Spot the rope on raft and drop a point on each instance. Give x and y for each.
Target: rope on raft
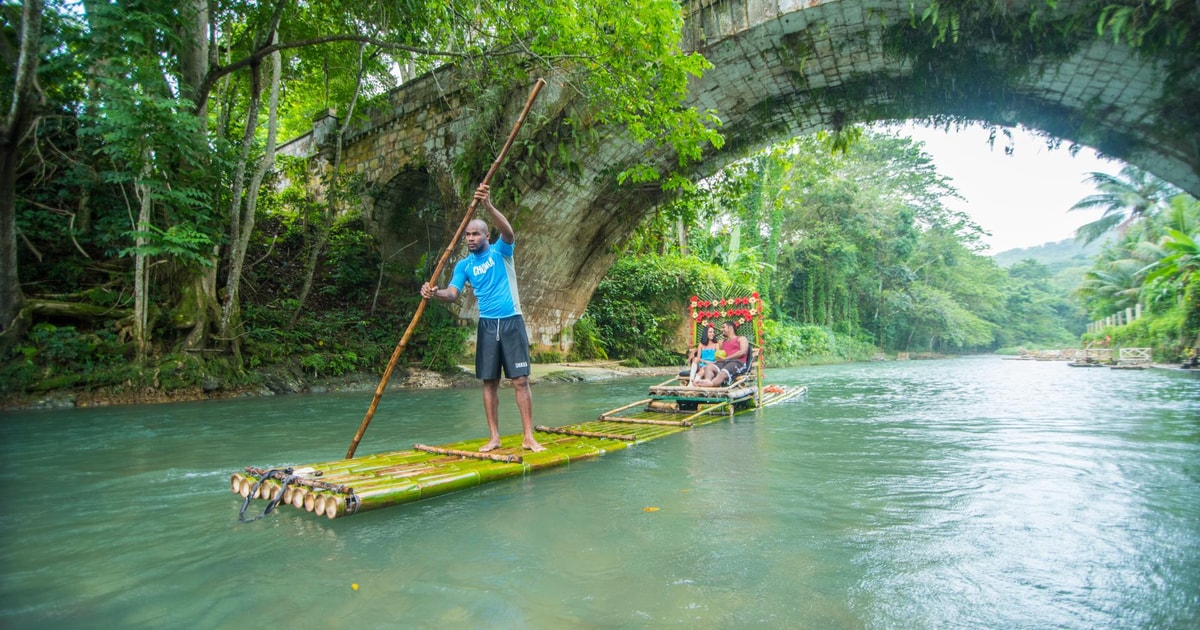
(284, 474)
(305, 481)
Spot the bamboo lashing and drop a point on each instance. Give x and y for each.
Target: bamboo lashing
(507, 458)
(315, 483)
(437, 271)
(578, 433)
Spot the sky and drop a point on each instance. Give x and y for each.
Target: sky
(1021, 199)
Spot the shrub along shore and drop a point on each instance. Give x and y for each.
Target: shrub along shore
(284, 382)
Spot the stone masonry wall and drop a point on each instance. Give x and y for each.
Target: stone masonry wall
(781, 68)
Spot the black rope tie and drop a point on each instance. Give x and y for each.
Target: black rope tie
(282, 489)
(284, 474)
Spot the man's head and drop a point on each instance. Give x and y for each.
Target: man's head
(476, 236)
(729, 328)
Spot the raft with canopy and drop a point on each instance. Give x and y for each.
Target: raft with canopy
(349, 486)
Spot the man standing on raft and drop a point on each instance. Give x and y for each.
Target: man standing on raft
(500, 338)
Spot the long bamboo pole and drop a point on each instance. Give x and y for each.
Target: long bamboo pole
(580, 433)
(496, 457)
(604, 416)
(437, 271)
(668, 423)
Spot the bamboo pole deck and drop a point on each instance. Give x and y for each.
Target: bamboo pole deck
(348, 486)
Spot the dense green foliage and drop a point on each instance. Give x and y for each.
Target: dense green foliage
(856, 243)
(154, 218)
(1152, 262)
(639, 308)
(853, 250)
(161, 241)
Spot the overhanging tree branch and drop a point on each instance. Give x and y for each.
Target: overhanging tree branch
(261, 53)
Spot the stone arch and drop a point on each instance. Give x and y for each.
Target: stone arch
(407, 216)
(781, 68)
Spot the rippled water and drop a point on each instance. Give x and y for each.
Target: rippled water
(970, 493)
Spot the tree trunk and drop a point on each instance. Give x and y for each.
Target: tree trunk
(22, 114)
(99, 68)
(235, 204)
(195, 54)
(81, 311)
(243, 218)
(331, 197)
(194, 51)
(199, 300)
(681, 228)
(141, 275)
(314, 253)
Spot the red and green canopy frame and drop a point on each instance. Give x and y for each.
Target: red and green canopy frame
(746, 312)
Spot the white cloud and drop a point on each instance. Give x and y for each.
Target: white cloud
(1021, 199)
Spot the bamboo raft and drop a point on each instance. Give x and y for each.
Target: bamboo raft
(350, 486)
(359, 484)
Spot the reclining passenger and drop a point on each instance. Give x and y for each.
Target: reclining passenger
(702, 354)
(735, 363)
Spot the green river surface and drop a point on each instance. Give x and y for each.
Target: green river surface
(963, 493)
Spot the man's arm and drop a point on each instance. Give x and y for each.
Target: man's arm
(484, 195)
(449, 294)
(458, 279)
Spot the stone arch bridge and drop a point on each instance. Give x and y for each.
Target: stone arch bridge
(781, 68)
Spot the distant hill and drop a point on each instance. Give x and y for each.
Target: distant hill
(1063, 254)
(1066, 260)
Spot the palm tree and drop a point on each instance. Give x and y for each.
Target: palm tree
(1181, 245)
(1127, 197)
(1112, 285)
(1181, 215)
(1179, 268)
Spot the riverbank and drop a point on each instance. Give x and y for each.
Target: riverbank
(288, 382)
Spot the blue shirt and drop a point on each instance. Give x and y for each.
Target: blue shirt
(493, 277)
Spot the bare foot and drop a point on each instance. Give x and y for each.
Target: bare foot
(490, 446)
(533, 446)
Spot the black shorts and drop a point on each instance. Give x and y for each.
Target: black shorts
(501, 342)
(732, 367)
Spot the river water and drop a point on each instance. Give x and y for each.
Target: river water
(968, 493)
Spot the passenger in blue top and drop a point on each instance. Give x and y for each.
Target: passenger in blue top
(501, 338)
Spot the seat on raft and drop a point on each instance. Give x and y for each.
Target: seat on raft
(679, 387)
